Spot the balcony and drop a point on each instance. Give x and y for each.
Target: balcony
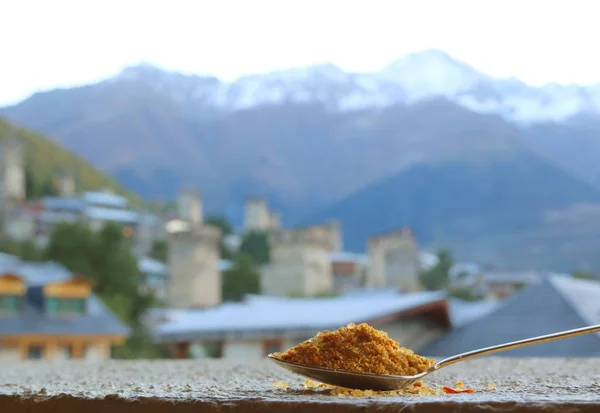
(501, 384)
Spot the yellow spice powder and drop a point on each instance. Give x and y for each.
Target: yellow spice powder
(358, 349)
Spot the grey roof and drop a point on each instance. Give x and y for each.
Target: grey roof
(98, 319)
(526, 277)
(551, 304)
(304, 316)
(465, 312)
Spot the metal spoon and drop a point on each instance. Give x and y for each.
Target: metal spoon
(371, 381)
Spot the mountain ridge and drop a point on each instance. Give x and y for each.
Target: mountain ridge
(408, 79)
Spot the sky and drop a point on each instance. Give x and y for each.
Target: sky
(61, 43)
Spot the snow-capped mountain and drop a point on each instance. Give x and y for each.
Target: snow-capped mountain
(412, 78)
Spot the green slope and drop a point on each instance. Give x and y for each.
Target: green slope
(44, 159)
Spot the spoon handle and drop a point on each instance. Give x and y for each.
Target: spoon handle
(516, 344)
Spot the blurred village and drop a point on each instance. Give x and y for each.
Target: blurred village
(89, 275)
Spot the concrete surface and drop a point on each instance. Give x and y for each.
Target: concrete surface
(530, 385)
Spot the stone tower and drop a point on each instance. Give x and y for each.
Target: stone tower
(335, 229)
(256, 215)
(189, 207)
(275, 220)
(394, 261)
(12, 170)
(300, 264)
(65, 183)
(194, 275)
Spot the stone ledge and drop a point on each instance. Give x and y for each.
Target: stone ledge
(529, 385)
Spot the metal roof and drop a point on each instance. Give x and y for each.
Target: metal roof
(98, 319)
(70, 204)
(109, 214)
(548, 305)
(259, 314)
(104, 199)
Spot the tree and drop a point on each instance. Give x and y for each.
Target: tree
(226, 228)
(582, 275)
(159, 250)
(255, 244)
(25, 250)
(241, 279)
(106, 258)
(438, 277)
(220, 222)
(466, 294)
(73, 245)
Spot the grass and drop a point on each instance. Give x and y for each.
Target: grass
(44, 159)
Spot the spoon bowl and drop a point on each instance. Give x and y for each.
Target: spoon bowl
(385, 382)
(360, 381)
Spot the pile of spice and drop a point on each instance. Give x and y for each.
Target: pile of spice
(357, 349)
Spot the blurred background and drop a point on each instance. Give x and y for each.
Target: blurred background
(199, 179)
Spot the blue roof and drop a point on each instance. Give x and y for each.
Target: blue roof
(550, 304)
(108, 214)
(152, 266)
(98, 319)
(106, 199)
(260, 314)
(69, 204)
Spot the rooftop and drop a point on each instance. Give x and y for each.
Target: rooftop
(551, 304)
(260, 314)
(110, 214)
(97, 319)
(102, 198)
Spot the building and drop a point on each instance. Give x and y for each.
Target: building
(548, 305)
(299, 264)
(65, 184)
(104, 206)
(501, 284)
(261, 325)
(256, 215)
(12, 170)
(189, 207)
(349, 271)
(155, 276)
(48, 313)
(194, 278)
(394, 261)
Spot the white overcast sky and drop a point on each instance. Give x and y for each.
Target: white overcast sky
(45, 44)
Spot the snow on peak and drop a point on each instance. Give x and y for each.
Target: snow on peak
(414, 77)
(432, 73)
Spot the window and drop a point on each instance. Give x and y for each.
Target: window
(10, 303)
(56, 305)
(35, 352)
(66, 351)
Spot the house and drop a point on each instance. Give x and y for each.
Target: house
(155, 275)
(549, 304)
(349, 270)
(264, 324)
(48, 313)
(501, 284)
